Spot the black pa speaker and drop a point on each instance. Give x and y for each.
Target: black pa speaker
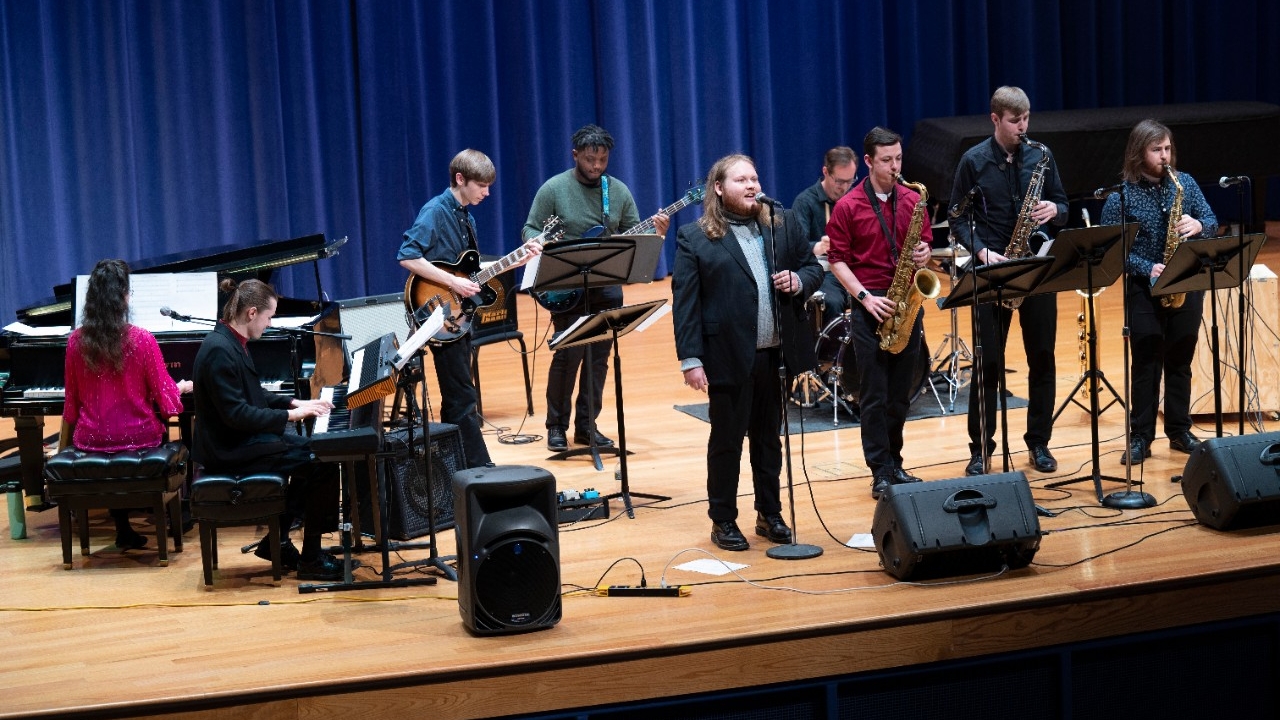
(956, 527)
(1234, 482)
(508, 549)
(414, 500)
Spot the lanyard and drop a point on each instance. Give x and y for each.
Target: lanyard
(875, 206)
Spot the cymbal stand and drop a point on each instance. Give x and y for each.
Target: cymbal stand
(807, 389)
(952, 350)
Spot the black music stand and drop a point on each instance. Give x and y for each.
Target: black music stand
(594, 262)
(1205, 265)
(996, 283)
(1087, 259)
(611, 325)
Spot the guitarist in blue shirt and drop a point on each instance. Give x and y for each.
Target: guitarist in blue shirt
(584, 197)
(443, 231)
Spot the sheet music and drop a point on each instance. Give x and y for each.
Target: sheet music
(415, 342)
(657, 315)
(530, 272)
(194, 294)
(25, 329)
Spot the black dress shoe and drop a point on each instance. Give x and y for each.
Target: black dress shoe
(323, 567)
(1184, 442)
(727, 536)
(288, 553)
(132, 540)
(556, 439)
(772, 527)
(1042, 459)
(901, 477)
(880, 483)
(1139, 449)
(582, 438)
(977, 465)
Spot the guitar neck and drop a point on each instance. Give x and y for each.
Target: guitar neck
(647, 225)
(505, 263)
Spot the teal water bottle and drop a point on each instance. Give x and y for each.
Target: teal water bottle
(17, 516)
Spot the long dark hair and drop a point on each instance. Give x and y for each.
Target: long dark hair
(106, 313)
(1143, 134)
(242, 296)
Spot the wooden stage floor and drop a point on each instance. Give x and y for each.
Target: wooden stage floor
(120, 636)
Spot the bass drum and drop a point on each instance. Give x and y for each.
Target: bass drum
(839, 363)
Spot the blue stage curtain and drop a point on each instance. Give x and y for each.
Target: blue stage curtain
(136, 129)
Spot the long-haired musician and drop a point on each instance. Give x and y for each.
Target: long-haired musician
(1163, 338)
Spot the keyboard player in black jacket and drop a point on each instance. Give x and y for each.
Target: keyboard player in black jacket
(240, 428)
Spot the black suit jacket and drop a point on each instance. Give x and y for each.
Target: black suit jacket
(715, 300)
(236, 420)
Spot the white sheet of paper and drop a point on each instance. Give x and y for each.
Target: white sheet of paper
(861, 540)
(1044, 249)
(50, 331)
(194, 294)
(655, 317)
(530, 272)
(419, 338)
(710, 566)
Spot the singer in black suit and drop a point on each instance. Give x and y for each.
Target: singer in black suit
(741, 276)
(1001, 169)
(240, 428)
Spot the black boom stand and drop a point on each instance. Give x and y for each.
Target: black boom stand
(584, 264)
(611, 325)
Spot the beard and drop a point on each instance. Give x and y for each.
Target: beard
(739, 205)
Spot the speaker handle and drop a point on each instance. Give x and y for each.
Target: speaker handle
(1270, 454)
(953, 504)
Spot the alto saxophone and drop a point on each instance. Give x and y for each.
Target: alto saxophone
(1019, 242)
(1171, 237)
(1086, 321)
(911, 285)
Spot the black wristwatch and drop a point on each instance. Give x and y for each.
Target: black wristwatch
(862, 294)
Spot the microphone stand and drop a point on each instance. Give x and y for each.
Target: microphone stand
(977, 374)
(792, 550)
(1128, 499)
(1240, 370)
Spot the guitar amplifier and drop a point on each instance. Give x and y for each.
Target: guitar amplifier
(416, 502)
(366, 319)
(500, 317)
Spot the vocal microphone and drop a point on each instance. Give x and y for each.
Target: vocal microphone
(1227, 181)
(962, 207)
(1102, 192)
(766, 200)
(168, 312)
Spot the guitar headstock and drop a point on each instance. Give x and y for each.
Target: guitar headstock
(696, 194)
(552, 229)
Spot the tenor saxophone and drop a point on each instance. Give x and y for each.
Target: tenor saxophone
(1171, 237)
(911, 285)
(1020, 242)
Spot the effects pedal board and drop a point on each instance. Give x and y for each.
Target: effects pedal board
(586, 505)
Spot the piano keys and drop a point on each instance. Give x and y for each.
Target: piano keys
(346, 431)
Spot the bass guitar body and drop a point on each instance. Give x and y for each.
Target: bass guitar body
(422, 297)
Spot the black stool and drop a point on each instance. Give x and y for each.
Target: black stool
(234, 500)
(81, 480)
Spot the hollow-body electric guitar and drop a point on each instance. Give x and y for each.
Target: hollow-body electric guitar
(422, 296)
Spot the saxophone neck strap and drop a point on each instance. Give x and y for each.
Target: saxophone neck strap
(887, 227)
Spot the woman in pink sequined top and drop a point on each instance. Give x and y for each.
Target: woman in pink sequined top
(116, 381)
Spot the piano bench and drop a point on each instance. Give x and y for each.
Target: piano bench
(222, 500)
(153, 478)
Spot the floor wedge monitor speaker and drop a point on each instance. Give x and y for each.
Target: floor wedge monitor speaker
(508, 549)
(961, 526)
(1234, 482)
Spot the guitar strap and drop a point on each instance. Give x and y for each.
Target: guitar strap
(604, 201)
(470, 229)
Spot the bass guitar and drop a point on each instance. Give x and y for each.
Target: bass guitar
(422, 296)
(565, 300)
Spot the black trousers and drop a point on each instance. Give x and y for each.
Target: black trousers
(884, 389)
(753, 409)
(1164, 343)
(312, 491)
(458, 397)
(1038, 318)
(567, 367)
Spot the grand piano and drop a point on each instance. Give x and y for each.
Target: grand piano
(286, 363)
